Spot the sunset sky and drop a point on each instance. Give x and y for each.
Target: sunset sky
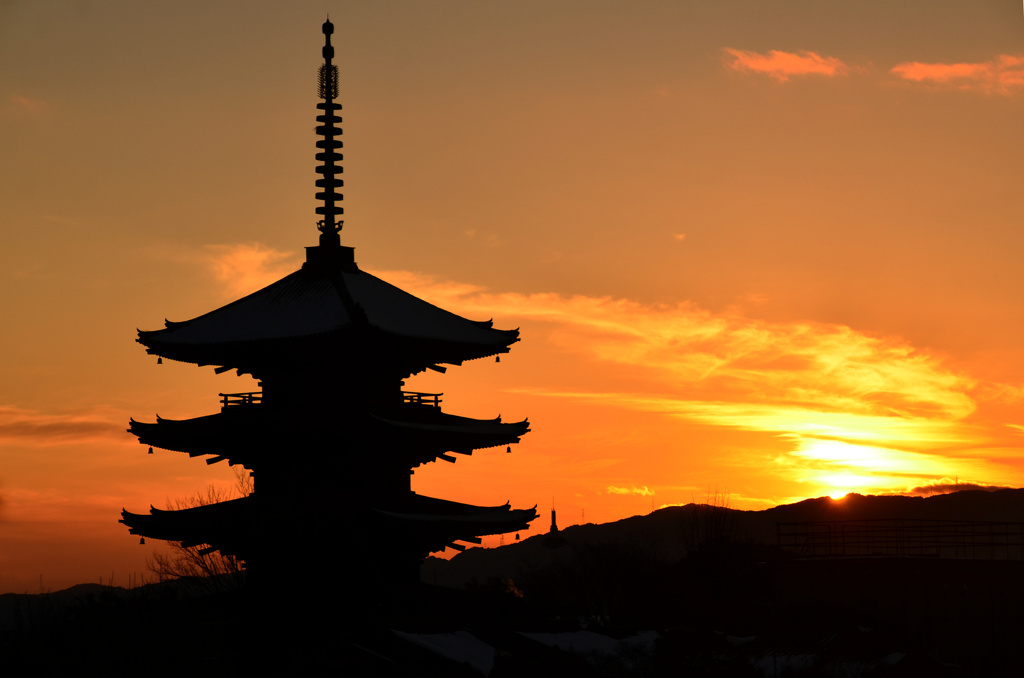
(768, 250)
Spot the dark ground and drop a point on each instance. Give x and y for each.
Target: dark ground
(730, 606)
(736, 611)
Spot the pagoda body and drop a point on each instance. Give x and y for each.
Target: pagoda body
(332, 439)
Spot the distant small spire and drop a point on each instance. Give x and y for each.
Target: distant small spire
(329, 155)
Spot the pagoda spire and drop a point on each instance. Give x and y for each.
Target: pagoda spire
(329, 155)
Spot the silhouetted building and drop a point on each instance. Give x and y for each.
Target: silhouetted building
(553, 539)
(332, 439)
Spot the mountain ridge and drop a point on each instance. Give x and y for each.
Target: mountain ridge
(669, 533)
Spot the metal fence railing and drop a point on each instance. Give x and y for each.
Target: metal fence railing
(903, 538)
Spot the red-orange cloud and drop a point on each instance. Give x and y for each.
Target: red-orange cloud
(783, 65)
(29, 104)
(1002, 75)
(32, 427)
(244, 268)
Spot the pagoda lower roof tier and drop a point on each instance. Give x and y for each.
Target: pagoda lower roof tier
(227, 526)
(235, 527)
(328, 313)
(245, 435)
(436, 523)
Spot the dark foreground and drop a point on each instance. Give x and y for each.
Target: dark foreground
(727, 610)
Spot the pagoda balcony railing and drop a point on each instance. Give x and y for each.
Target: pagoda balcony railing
(231, 400)
(416, 398)
(240, 399)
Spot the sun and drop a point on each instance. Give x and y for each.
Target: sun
(838, 468)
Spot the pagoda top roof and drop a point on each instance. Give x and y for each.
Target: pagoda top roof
(329, 298)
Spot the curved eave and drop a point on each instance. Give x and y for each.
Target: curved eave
(461, 435)
(239, 436)
(434, 531)
(465, 426)
(478, 525)
(196, 438)
(225, 526)
(349, 315)
(421, 504)
(409, 355)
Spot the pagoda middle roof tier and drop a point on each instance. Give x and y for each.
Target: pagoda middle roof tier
(245, 435)
(331, 311)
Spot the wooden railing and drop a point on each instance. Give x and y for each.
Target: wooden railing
(238, 399)
(415, 398)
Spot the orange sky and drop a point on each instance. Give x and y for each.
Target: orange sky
(766, 249)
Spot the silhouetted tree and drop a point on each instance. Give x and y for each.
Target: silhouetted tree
(710, 524)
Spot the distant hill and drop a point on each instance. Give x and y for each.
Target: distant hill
(668, 533)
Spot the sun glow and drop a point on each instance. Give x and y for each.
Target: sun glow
(865, 457)
(838, 467)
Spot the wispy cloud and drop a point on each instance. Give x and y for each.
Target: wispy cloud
(246, 267)
(639, 491)
(823, 366)
(857, 410)
(781, 66)
(29, 104)
(1002, 75)
(799, 421)
(38, 428)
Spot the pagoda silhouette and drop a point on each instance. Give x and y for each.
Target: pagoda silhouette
(332, 439)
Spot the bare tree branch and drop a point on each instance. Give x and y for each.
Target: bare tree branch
(211, 571)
